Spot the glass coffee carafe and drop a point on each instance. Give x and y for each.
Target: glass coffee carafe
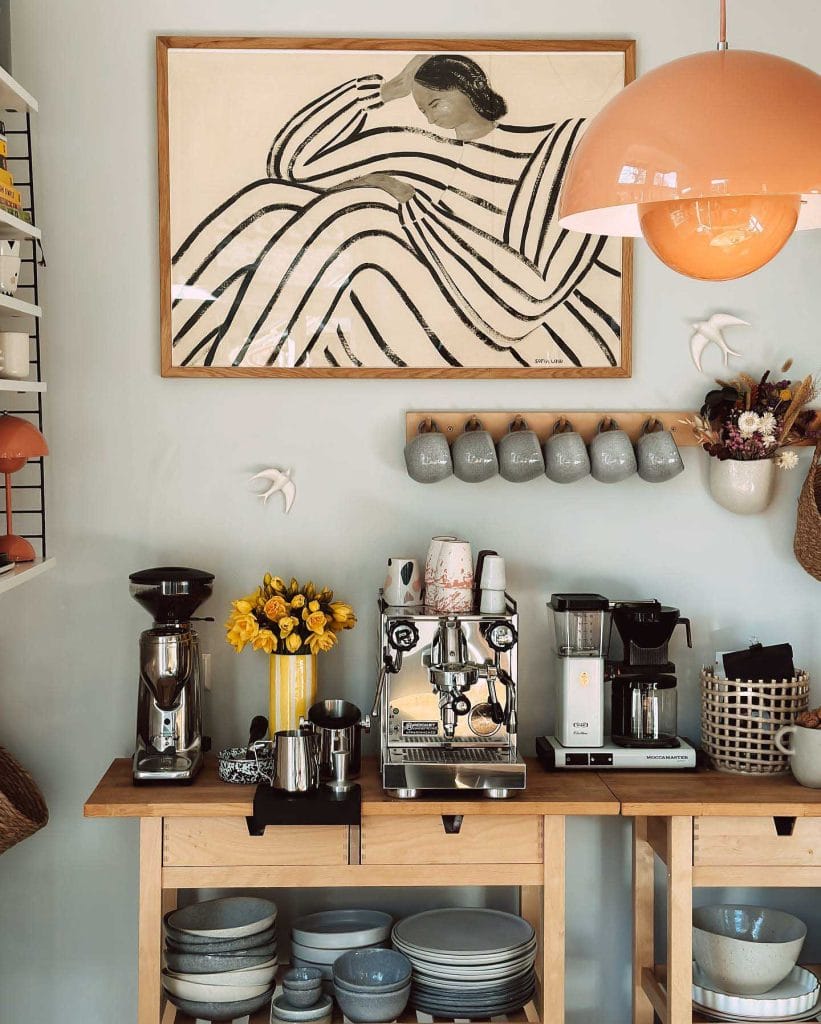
(644, 711)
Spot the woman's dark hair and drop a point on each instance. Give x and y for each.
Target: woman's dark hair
(450, 71)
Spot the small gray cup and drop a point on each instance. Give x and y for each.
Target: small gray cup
(658, 456)
(474, 454)
(565, 454)
(427, 456)
(520, 454)
(612, 458)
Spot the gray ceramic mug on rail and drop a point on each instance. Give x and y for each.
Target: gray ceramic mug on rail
(520, 453)
(612, 458)
(474, 454)
(565, 454)
(296, 761)
(658, 456)
(427, 456)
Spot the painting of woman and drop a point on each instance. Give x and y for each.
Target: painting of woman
(426, 238)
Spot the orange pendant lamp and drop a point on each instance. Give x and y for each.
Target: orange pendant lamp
(714, 158)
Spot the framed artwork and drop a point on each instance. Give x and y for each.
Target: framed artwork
(383, 208)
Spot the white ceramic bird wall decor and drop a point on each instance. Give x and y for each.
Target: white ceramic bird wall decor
(706, 332)
(281, 482)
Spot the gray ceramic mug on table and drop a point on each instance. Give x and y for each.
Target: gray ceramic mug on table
(565, 454)
(474, 454)
(612, 458)
(520, 453)
(658, 456)
(427, 456)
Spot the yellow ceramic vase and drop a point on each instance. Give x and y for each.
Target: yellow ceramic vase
(292, 689)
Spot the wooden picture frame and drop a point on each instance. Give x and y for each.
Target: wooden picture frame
(409, 279)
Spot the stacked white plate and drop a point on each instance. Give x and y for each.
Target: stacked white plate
(220, 957)
(468, 962)
(794, 999)
(317, 940)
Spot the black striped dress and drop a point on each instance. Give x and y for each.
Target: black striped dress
(473, 270)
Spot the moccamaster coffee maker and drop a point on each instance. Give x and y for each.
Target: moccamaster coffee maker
(635, 661)
(169, 716)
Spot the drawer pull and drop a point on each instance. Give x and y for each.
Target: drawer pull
(452, 823)
(784, 826)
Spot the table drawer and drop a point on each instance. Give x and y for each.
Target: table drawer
(787, 842)
(425, 839)
(217, 841)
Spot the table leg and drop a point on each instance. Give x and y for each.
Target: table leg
(554, 921)
(679, 920)
(643, 931)
(150, 922)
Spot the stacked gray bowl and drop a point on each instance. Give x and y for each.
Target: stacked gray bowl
(221, 957)
(317, 940)
(468, 962)
(372, 985)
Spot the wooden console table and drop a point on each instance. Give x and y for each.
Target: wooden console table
(709, 829)
(196, 837)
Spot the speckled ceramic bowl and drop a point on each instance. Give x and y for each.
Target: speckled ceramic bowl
(746, 950)
(234, 765)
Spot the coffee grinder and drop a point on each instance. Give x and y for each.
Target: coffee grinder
(635, 661)
(169, 710)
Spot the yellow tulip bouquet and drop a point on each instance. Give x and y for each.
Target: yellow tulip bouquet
(287, 619)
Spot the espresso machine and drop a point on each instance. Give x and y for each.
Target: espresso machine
(446, 701)
(634, 659)
(170, 743)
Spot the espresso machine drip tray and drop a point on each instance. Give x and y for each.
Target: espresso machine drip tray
(458, 755)
(408, 771)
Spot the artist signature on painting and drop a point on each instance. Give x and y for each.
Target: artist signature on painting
(541, 361)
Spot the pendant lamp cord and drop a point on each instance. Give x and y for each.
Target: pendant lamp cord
(722, 27)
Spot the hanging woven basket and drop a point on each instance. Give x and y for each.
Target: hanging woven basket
(23, 810)
(807, 544)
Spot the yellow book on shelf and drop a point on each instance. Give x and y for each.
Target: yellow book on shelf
(5, 175)
(9, 195)
(4, 148)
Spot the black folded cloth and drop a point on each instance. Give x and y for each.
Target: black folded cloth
(758, 662)
(319, 807)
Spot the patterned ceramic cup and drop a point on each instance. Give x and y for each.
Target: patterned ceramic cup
(658, 456)
(520, 454)
(427, 456)
(474, 454)
(565, 454)
(612, 458)
(403, 583)
(434, 551)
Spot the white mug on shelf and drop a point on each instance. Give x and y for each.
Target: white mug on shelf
(14, 355)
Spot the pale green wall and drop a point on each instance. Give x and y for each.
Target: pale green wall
(146, 471)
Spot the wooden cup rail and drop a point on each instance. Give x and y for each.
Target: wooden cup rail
(452, 422)
(708, 829)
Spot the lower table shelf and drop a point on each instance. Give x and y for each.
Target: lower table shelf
(527, 1015)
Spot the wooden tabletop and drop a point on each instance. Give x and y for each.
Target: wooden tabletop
(708, 792)
(581, 793)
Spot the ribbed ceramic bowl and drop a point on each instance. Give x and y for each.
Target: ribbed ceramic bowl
(746, 950)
